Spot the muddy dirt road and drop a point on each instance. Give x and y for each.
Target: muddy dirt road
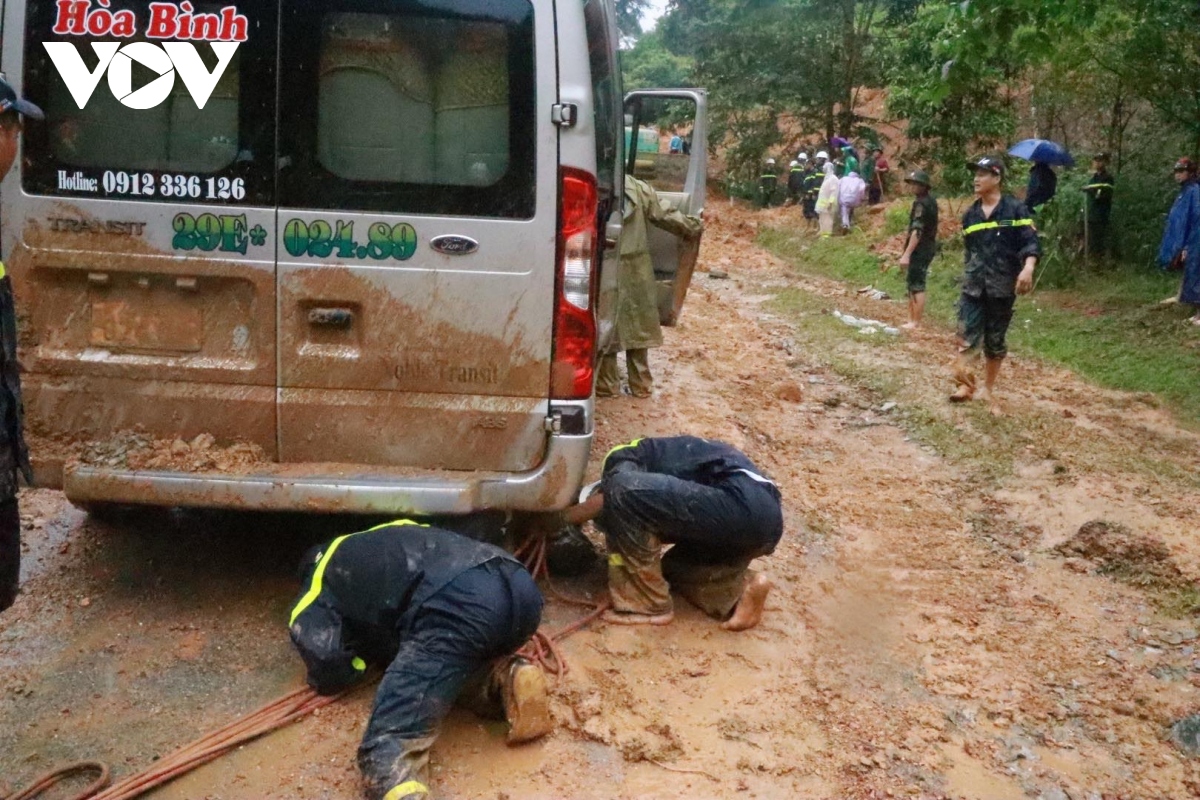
(939, 628)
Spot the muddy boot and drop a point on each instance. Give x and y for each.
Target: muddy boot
(395, 769)
(526, 701)
(965, 379)
(640, 594)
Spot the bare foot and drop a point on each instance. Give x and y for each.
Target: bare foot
(910, 326)
(750, 606)
(621, 618)
(962, 394)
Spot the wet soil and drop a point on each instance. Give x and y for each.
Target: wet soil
(939, 628)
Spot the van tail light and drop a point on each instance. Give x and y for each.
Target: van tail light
(573, 362)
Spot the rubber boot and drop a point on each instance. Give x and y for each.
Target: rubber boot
(526, 702)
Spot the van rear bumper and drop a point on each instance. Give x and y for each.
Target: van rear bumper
(328, 488)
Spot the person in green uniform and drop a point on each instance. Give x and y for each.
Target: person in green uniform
(921, 246)
(637, 326)
(1099, 205)
(14, 456)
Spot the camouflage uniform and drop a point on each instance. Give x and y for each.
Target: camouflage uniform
(14, 456)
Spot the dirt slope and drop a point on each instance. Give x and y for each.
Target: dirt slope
(926, 639)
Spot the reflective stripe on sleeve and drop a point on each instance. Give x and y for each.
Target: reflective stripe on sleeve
(358, 664)
(3, 271)
(1004, 223)
(1098, 186)
(405, 789)
(314, 589)
(615, 560)
(634, 443)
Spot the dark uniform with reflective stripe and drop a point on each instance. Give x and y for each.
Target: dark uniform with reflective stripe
(795, 184)
(14, 457)
(768, 183)
(1099, 199)
(812, 187)
(996, 249)
(706, 498)
(433, 605)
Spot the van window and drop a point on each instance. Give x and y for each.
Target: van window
(605, 92)
(171, 151)
(418, 105)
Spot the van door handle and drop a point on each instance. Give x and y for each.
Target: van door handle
(332, 317)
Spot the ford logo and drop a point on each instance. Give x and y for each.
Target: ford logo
(454, 245)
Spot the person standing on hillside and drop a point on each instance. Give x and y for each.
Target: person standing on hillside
(637, 327)
(827, 200)
(812, 185)
(795, 182)
(1002, 251)
(851, 193)
(1181, 238)
(1099, 205)
(921, 246)
(768, 183)
(14, 456)
(875, 187)
(868, 174)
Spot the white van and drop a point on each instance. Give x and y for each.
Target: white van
(331, 256)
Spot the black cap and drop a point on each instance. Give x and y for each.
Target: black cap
(992, 164)
(9, 101)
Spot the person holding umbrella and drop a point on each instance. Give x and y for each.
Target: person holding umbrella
(1181, 239)
(1043, 182)
(1001, 252)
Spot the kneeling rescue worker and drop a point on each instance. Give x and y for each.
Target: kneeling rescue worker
(445, 614)
(708, 500)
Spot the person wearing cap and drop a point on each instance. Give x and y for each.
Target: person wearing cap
(710, 503)
(1002, 251)
(14, 456)
(768, 183)
(1181, 239)
(444, 616)
(1042, 186)
(795, 183)
(1099, 192)
(921, 245)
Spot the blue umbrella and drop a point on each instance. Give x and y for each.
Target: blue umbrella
(1043, 150)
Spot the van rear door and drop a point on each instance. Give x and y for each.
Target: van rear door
(140, 229)
(417, 225)
(678, 177)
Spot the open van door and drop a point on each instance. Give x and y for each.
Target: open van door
(666, 138)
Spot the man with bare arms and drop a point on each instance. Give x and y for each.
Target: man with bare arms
(705, 499)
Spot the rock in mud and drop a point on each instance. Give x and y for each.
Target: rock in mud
(718, 273)
(789, 391)
(1185, 733)
(1114, 548)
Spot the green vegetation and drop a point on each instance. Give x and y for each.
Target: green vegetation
(1108, 327)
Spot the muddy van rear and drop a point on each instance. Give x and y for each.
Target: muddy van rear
(332, 256)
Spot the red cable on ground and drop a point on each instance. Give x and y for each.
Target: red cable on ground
(542, 649)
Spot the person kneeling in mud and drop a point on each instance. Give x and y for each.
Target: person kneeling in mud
(706, 499)
(445, 614)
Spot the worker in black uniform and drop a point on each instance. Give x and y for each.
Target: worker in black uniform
(706, 499)
(1001, 252)
(795, 183)
(813, 177)
(14, 457)
(1099, 205)
(768, 183)
(445, 614)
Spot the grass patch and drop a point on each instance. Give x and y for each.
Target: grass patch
(1108, 327)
